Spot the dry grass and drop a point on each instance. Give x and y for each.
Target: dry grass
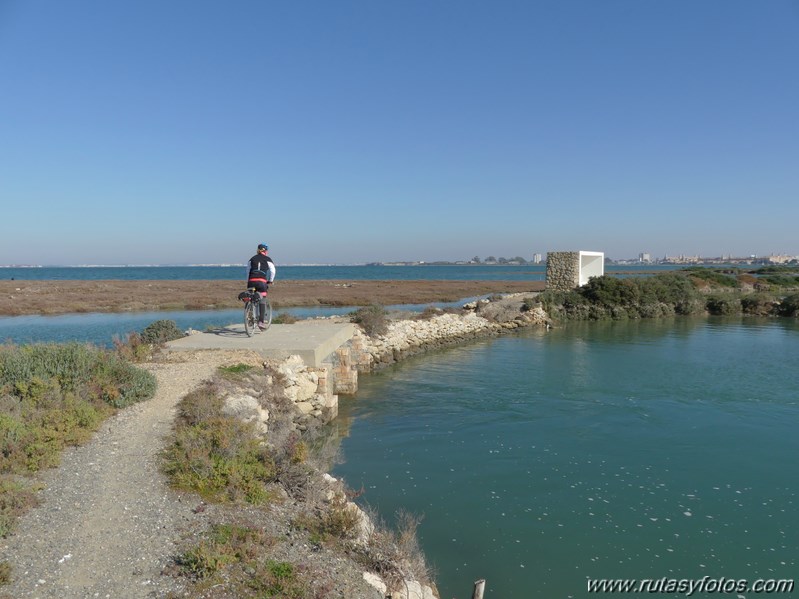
(65, 297)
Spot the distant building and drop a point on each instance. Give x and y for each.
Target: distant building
(644, 257)
(779, 259)
(537, 259)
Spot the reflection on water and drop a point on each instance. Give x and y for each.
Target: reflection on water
(612, 450)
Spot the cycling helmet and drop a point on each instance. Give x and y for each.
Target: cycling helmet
(262, 246)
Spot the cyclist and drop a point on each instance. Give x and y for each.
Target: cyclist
(260, 274)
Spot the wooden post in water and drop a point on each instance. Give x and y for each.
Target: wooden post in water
(479, 587)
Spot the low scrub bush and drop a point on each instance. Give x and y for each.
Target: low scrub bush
(529, 303)
(54, 396)
(133, 349)
(394, 552)
(373, 319)
(776, 270)
(219, 457)
(713, 277)
(608, 297)
(781, 280)
(161, 331)
(284, 318)
(236, 372)
(789, 306)
(82, 369)
(231, 556)
(759, 304)
(337, 523)
(16, 498)
(723, 305)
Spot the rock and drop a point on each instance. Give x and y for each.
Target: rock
(248, 409)
(305, 407)
(375, 581)
(413, 589)
(364, 528)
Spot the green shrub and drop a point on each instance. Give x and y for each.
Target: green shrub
(373, 319)
(219, 457)
(55, 396)
(722, 305)
(789, 306)
(609, 291)
(133, 349)
(284, 318)
(339, 522)
(230, 556)
(776, 270)
(15, 499)
(529, 303)
(781, 280)
(714, 277)
(161, 331)
(74, 367)
(608, 297)
(758, 304)
(236, 372)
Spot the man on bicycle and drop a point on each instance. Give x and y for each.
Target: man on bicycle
(260, 274)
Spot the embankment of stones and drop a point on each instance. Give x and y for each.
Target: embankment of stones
(315, 390)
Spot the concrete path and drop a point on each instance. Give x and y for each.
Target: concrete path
(312, 340)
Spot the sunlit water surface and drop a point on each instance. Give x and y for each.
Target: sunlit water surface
(619, 450)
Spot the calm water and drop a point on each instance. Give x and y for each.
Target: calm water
(102, 328)
(620, 450)
(602, 450)
(531, 272)
(370, 272)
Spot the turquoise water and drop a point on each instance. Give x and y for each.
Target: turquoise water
(601, 450)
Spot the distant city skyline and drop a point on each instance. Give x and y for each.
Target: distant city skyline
(349, 132)
(535, 258)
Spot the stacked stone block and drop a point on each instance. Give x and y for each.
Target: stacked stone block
(563, 270)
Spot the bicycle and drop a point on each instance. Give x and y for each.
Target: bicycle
(252, 300)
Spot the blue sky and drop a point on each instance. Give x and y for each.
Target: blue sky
(154, 132)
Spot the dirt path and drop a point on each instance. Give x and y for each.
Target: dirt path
(107, 524)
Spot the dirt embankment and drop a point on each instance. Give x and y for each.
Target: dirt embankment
(66, 297)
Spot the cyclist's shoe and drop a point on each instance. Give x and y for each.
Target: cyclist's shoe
(262, 326)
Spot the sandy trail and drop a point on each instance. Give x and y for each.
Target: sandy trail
(108, 524)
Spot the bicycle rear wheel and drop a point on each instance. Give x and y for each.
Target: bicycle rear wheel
(249, 319)
(267, 313)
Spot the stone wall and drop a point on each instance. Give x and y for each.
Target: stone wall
(563, 270)
(315, 391)
(408, 337)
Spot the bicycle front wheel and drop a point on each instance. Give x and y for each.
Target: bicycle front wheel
(249, 319)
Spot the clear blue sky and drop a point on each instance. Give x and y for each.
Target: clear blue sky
(346, 131)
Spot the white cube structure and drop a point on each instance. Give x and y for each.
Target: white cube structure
(568, 270)
(592, 264)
